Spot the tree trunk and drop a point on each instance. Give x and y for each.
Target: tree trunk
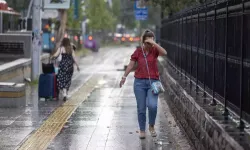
(61, 31)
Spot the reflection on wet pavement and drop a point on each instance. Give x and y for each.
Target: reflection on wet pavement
(105, 119)
(108, 120)
(17, 123)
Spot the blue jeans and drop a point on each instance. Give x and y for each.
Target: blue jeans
(145, 98)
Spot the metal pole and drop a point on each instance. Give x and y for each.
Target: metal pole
(226, 113)
(215, 13)
(175, 55)
(205, 57)
(162, 9)
(191, 52)
(197, 50)
(186, 64)
(36, 43)
(181, 43)
(242, 124)
(178, 47)
(1, 22)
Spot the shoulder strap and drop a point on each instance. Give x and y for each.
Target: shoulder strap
(145, 57)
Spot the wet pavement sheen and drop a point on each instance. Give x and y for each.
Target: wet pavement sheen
(106, 119)
(16, 124)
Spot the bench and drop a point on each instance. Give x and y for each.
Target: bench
(12, 95)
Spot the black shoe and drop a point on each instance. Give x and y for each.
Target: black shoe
(64, 98)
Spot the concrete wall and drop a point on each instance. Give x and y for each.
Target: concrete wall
(19, 69)
(205, 125)
(25, 38)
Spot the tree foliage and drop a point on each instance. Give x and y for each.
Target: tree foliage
(18, 5)
(127, 14)
(116, 11)
(172, 6)
(73, 23)
(100, 18)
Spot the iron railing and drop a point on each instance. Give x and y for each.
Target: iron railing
(210, 45)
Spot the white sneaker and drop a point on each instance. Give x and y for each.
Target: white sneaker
(64, 92)
(64, 95)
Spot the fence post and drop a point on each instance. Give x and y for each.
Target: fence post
(178, 42)
(197, 50)
(214, 103)
(191, 52)
(186, 48)
(181, 43)
(205, 53)
(241, 124)
(226, 113)
(173, 27)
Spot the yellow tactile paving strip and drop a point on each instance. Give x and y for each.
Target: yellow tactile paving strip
(41, 138)
(12, 94)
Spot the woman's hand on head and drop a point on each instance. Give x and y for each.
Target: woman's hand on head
(151, 41)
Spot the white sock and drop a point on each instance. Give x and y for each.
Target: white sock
(64, 92)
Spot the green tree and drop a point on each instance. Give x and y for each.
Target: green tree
(73, 23)
(172, 6)
(127, 14)
(100, 18)
(116, 10)
(18, 5)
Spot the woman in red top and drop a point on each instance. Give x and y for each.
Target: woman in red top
(144, 96)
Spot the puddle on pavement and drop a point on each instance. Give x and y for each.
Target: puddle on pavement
(160, 142)
(31, 95)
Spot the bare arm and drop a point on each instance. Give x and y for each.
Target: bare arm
(129, 68)
(56, 54)
(161, 50)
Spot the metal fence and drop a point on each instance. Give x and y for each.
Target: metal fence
(210, 44)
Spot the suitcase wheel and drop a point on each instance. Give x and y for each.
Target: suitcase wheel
(51, 98)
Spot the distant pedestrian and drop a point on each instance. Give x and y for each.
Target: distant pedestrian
(66, 66)
(73, 46)
(144, 76)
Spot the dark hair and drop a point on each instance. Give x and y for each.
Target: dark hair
(147, 33)
(66, 44)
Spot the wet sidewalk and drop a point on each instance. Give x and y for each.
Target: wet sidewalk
(16, 124)
(99, 114)
(107, 119)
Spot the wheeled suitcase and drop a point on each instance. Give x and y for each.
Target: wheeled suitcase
(47, 87)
